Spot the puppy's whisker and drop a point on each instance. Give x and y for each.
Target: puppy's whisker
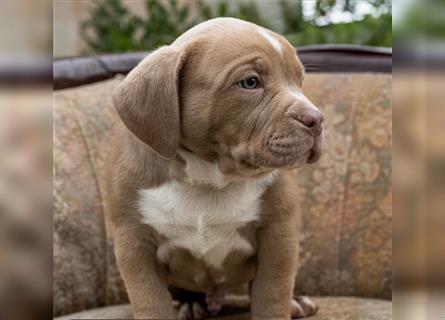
(313, 67)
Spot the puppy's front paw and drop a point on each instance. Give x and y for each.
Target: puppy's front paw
(303, 307)
(191, 311)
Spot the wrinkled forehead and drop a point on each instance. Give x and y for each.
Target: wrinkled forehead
(223, 45)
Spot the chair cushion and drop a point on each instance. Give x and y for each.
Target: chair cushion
(346, 235)
(85, 273)
(330, 308)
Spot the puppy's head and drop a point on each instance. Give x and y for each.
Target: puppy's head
(228, 91)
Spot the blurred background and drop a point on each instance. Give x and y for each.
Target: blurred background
(416, 30)
(98, 26)
(419, 159)
(25, 159)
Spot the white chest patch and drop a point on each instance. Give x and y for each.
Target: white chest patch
(203, 218)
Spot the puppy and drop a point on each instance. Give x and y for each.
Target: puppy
(202, 176)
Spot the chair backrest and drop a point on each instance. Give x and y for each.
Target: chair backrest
(85, 272)
(347, 228)
(346, 238)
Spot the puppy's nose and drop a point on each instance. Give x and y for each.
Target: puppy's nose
(312, 119)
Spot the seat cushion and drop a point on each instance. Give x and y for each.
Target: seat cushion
(85, 272)
(346, 195)
(330, 308)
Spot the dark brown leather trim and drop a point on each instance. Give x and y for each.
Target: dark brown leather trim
(346, 58)
(19, 71)
(75, 71)
(71, 72)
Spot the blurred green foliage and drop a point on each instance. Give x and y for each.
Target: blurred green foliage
(111, 27)
(422, 21)
(370, 30)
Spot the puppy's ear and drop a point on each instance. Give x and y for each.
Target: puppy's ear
(147, 100)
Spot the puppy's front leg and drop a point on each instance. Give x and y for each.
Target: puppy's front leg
(145, 283)
(272, 288)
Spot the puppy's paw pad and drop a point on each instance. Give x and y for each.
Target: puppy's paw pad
(191, 311)
(303, 307)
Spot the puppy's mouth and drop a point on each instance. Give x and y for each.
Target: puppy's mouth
(284, 153)
(315, 152)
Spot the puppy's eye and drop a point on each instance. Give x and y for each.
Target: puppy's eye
(250, 83)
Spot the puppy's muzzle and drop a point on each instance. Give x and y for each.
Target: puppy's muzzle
(312, 119)
(300, 138)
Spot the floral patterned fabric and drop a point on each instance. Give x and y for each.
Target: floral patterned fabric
(85, 271)
(346, 239)
(346, 236)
